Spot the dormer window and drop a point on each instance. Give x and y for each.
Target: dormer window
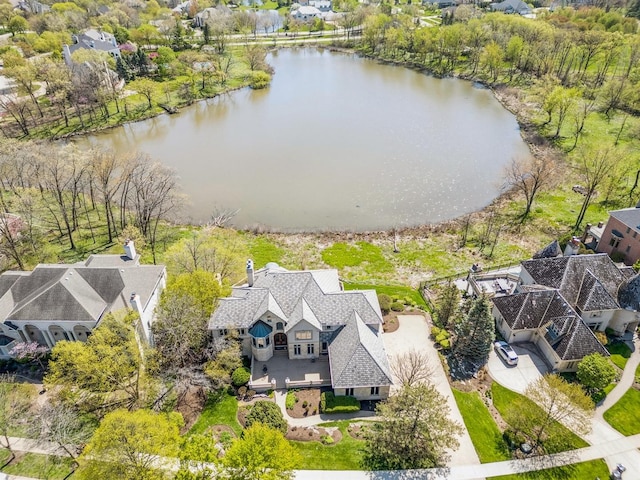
(279, 326)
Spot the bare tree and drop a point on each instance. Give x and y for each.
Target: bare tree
(62, 425)
(412, 368)
(221, 217)
(106, 167)
(154, 195)
(528, 176)
(593, 167)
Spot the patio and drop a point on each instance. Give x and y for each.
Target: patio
(300, 373)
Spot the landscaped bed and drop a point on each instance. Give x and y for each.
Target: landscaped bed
(304, 402)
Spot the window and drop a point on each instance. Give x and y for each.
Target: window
(348, 391)
(261, 342)
(310, 349)
(279, 326)
(595, 314)
(296, 349)
(303, 335)
(242, 331)
(375, 390)
(253, 341)
(328, 327)
(325, 346)
(614, 242)
(635, 234)
(628, 248)
(628, 229)
(223, 331)
(268, 341)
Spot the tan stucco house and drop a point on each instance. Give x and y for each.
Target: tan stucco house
(560, 301)
(306, 315)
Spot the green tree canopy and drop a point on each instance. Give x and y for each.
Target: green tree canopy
(415, 431)
(198, 454)
(475, 332)
(267, 413)
(106, 371)
(261, 454)
(595, 371)
(126, 445)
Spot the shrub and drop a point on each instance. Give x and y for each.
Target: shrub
(251, 393)
(259, 79)
(291, 400)
(267, 413)
(304, 404)
(327, 439)
(435, 331)
(240, 376)
(397, 306)
(329, 403)
(617, 257)
(242, 391)
(602, 337)
(385, 302)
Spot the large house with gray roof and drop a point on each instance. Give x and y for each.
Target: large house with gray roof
(306, 315)
(560, 301)
(92, 39)
(57, 302)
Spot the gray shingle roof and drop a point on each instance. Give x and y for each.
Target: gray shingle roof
(593, 296)
(629, 294)
(575, 340)
(357, 357)
(530, 310)
(550, 251)
(629, 216)
(77, 293)
(288, 289)
(567, 274)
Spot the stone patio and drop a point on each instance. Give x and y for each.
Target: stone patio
(301, 373)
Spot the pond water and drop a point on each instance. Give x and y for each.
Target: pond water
(336, 142)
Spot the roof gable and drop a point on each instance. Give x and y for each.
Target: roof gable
(357, 357)
(593, 296)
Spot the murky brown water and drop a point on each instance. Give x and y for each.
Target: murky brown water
(337, 142)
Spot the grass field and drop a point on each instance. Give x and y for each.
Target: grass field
(38, 466)
(344, 455)
(620, 353)
(220, 409)
(624, 416)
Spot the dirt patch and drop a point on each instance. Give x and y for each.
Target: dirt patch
(315, 434)
(308, 403)
(391, 322)
(218, 430)
(190, 404)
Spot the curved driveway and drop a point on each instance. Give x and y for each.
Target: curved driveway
(529, 369)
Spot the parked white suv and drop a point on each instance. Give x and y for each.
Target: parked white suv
(504, 350)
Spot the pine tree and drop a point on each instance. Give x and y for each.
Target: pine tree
(447, 306)
(475, 332)
(206, 32)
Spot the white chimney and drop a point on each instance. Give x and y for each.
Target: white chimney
(136, 303)
(129, 249)
(250, 272)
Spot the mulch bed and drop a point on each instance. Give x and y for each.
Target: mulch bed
(190, 404)
(356, 430)
(314, 434)
(312, 397)
(391, 322)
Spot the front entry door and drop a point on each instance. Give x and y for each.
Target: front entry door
(280, 341)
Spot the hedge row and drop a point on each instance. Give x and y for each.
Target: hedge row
(329, 403)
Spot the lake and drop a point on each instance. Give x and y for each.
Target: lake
(336, 142)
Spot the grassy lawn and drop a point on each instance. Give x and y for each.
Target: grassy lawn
(220, 409)
(40, 466)
(578, 471)
(620, 353)
(485, 434)
(391, 290)
(624, 416)
(263, 250)
(344, 455)
(503, 398)
(342, 255)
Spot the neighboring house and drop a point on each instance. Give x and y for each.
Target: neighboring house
(66, 302)
(322, 5)
(306, 13)
(511, 6)
(560, 301)
(305, 315)
(92, 40)
(621, 235)
(34, 7)
(441, 3)
(209, 14)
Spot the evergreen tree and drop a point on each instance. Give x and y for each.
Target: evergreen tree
(448, 306)
(124, 72)
(475, 331)
(206, 32)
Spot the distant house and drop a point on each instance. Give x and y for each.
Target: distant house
(298, 319)
(440, 3)
(33, 7)
(57, 302)
(621, 235)
(511, 6)
(560, 301)
(306, 13)
(211, 13)
(92, 40)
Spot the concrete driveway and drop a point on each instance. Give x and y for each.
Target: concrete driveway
(529, 369)
(413, 334)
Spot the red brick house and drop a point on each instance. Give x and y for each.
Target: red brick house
(621, 236)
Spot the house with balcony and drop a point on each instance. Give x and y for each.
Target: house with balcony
(57, 302)
(300, 328)
(560, 302)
